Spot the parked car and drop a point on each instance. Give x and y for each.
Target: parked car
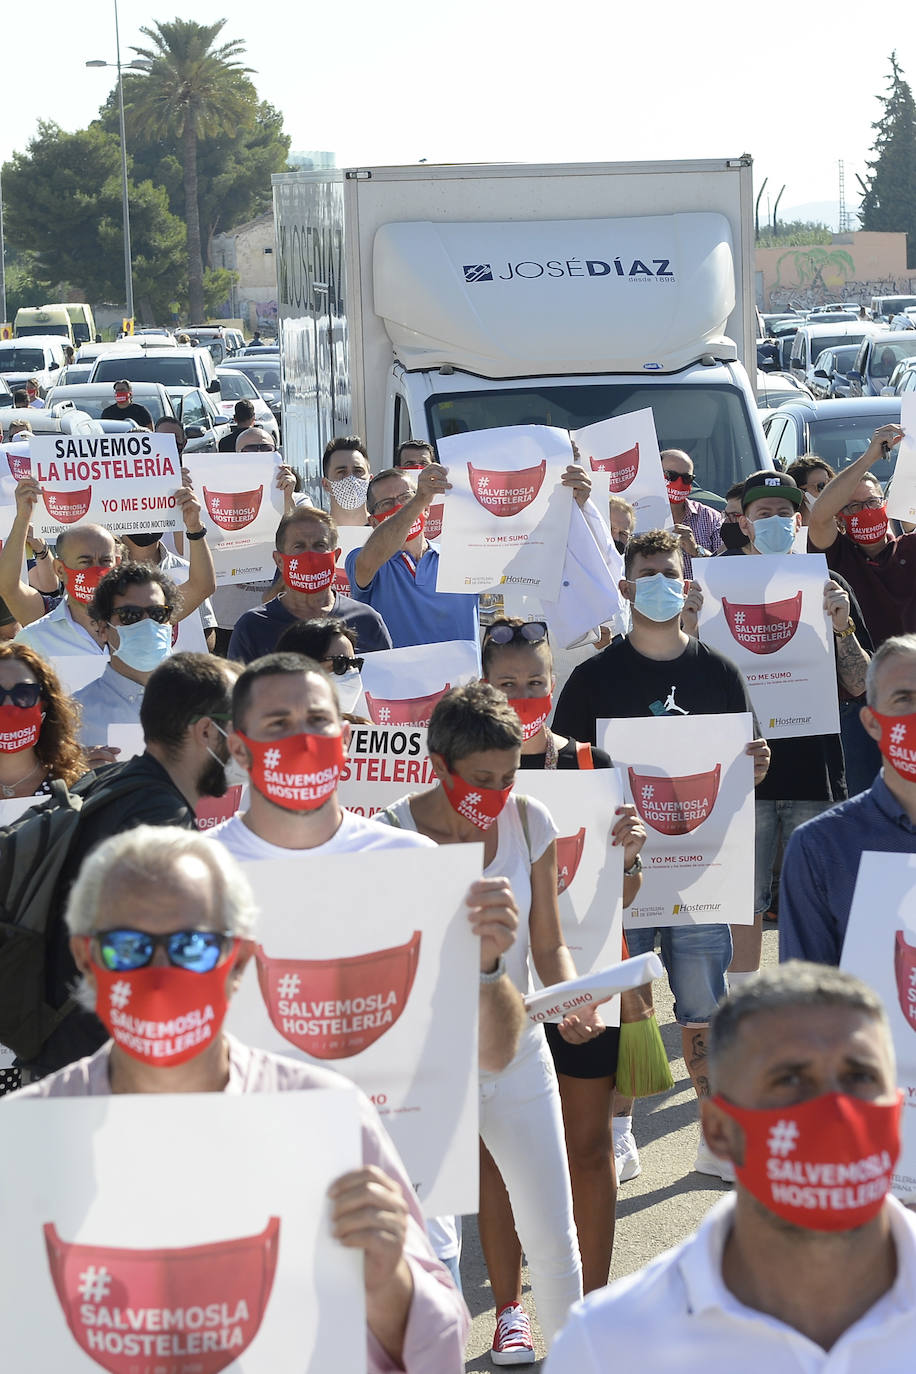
(59, 419)
(829, 377)
(6, 396)
(212, 337)
(204, 423)
(264, 375)
(837, 431)
(258, 350)
(72, 374)
(173, 367)
(812, 339)
(235, 386)
(774, 389)
(876, 360)
(35, 356)
(94, 397)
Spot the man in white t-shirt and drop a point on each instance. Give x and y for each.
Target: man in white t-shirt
(288, 736)
(809, 1265)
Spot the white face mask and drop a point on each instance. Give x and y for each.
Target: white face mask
(235, 773)
(350, 492)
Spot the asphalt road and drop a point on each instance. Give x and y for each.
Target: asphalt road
(654, 1211)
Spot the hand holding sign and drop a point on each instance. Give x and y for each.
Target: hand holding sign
(494, 917)
(557, 1003)
(432, 482)
(368, 1213)
(836, 604)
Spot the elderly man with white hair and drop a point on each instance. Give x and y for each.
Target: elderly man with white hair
(161, 921)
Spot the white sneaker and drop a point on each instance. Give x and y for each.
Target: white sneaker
(708, 1163)
(512, 1343)
(626, 1157)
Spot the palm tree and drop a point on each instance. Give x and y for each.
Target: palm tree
(191, 90)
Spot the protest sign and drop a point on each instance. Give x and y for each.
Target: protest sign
(767, 615)
(243, 509)
(371, 969)
(507, 513)
(127, 739)
(622, 456)
(593, 989)
(126, 482)
(383, 763)
(184, 1278)
(693, 785)
(589, 865)
(11, 808)
(349, 537)
(78, 670)
(901, 496)
(403, 685)
(211, 811)
(880, 948)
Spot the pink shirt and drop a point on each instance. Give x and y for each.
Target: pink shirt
(438, 1323)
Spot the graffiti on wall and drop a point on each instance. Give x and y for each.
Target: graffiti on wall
(806, 277)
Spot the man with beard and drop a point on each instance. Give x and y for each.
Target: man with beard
(186, 707)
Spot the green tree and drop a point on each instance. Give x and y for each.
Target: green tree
(62, 214)
(792, 234)
(889, 202)
(194, 91)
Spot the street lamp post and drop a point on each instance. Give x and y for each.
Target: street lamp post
(125, 203)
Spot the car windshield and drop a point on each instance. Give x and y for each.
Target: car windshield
(95, 401)
(168, 371)
(885, 356)
(841, 359)
(821, 342)
(266, 376)
(710, 422)
(841, 440)
(235, 386)
(22, 360)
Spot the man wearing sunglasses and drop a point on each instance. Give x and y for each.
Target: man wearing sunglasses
(160, 924)
(697, 525)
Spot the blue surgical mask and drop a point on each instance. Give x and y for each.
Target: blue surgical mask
(775, 534)
(143, 646)
(659, 598)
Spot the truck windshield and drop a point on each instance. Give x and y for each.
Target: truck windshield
(711, 423)
(25, 330)
(22, 360)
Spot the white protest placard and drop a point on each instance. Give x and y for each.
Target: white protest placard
(508, 514)
(402, 686)
(370, 968)
(128, 739)
(766, 613)
(383, 763)
(592, 989)
(78, 670)
(880, 948)
(189, 1277)
(17, 465)
(126, 482)
(349, 537)
(901, 497)
(11, 808)
(623, 458)
(693, 785)
(243, 510)
(589, 865)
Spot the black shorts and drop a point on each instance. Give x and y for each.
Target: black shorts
(595, 1059)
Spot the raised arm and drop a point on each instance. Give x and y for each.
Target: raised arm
(389, 536)
(24, 602)
(840, 490)
(201, 581)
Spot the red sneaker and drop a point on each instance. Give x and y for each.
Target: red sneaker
(512, 1343)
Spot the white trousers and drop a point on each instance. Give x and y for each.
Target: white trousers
(521, 1124)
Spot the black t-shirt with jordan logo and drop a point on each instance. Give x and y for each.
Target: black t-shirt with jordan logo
(619, 682)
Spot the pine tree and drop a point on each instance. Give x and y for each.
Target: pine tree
(890, 201)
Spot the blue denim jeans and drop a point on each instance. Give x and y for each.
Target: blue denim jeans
(773, 816)
(695, 958)
(862, 755)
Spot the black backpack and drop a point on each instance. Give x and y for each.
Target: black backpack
(34, 850)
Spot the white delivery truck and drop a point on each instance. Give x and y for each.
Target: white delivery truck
(424, 301)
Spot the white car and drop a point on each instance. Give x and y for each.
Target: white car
(235, 386)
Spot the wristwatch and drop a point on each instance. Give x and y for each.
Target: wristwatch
(198, 534)
(850, 630)
(635, 867)
(702, 552)
(497, 973)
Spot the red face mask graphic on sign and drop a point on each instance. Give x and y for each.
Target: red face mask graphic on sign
(308, 572)
(212, 810)
(532, 712)
(233, 510)
(506, 493)
(19, 465)
(898, 742)
(905, 974)
(82, 582)
(299, 772)
(763, 629)
(335, 1008)
(19, 728)
(434, 521)
(867, 526)
(623, 467)
(825, 1164)
(195, 1308)
(418, 526)
(479, 805)
(67, 506)
(163, 1015)
(403, 710)
(569, 855)
(675, 806)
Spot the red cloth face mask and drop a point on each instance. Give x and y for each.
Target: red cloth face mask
(418, 526)
(479, 805)
(826, 1164)
(163, 1015)
(335, 1008)
(532, 712)
(197, 1307)
(299, 772)
(867, 526)
(678, 493)
(308, 572)
(898, 742)
(82, 582)
(19, 727)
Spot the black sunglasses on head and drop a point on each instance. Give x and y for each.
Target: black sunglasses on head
(532, 632)
(21, 694)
